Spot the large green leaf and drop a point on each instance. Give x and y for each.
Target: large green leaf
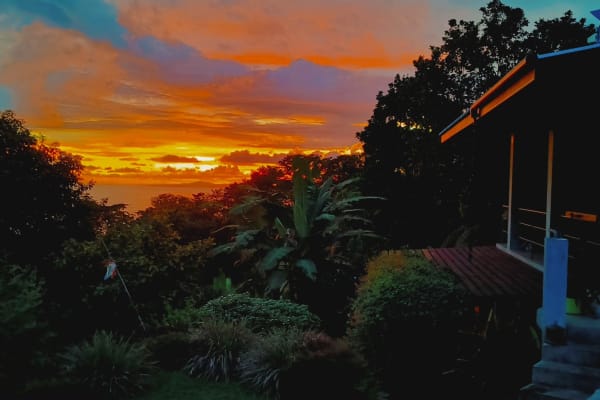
(308, 266)
(281, 229)
(325, 217)
(249, 203)
(277, 280)
(241, 241)
(345, 203)
(244, 238)
(323, 197)
(273, 257)
(300, 184)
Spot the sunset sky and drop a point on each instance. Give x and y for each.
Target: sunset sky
(190, 93)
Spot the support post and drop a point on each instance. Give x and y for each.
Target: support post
(549, 183)
(511, 169)
(554, 300)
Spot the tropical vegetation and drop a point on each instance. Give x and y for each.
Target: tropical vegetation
(301, 273)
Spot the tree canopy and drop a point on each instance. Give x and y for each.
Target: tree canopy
(43, 202)
(428, 184)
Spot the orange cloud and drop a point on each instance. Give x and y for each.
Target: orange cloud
(349, 34)
(131, 111)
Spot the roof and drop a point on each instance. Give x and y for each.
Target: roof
(548, 82)
(489, 272)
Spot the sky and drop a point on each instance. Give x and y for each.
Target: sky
(187, 95)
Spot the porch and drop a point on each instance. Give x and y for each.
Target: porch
(534, 139)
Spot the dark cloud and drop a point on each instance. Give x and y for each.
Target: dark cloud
(175, 159)
(127, 170)
(244, 157)
(183, 64)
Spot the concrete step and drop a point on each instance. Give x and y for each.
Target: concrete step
(572, 353)
(595, 396)
(581, 329)
(566, 376)
(540, 392)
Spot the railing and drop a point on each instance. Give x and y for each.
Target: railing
(529, 231)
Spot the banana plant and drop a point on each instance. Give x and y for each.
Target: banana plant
(324, 219)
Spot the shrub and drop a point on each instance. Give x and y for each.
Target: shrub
(218, 347)
(20, 328)
(108, 366)
(171, 350)
(333, 368)
(405, 321)
(262, 366)
(260, 315)
(181, 319)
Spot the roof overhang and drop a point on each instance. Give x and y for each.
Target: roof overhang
(536, 74)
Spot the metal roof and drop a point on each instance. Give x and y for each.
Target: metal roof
(489, 272)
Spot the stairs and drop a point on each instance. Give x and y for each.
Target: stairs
(569, 371)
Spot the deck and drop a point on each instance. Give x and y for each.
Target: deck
(487, 271)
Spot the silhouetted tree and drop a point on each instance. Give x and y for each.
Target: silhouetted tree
(427, 184)
(43, 201)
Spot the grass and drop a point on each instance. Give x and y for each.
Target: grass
(178, 386)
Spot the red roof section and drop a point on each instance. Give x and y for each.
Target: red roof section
(487, 271)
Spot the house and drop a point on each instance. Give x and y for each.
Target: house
(536, 133)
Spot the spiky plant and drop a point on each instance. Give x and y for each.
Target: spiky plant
(261, 366)
(219, 344)
(108, 366)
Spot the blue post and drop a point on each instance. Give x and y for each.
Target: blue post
(555, 282)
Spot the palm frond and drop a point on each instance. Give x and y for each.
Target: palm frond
(359, 233)
(249, 203)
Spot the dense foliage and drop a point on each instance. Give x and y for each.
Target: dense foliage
(217, 348)
(43, 201)
(108, 366)
(297, 236)
(260, 314)
(433, 188)
(405, 320)
(310, 251)
(22, 327)
(157, 270)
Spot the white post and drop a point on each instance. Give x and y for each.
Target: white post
(549, 182)
(510, 191)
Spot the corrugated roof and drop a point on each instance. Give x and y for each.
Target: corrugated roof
(487, 271)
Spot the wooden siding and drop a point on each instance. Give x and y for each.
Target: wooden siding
(487, 271)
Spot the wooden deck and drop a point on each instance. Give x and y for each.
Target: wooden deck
(487, 271)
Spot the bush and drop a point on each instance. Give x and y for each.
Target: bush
(405, 322)
(332, 367)
(262, 366)
(108, 366)
(218, 347)
(171, 350)
(260, 315)
(182, 319)
(21, 331)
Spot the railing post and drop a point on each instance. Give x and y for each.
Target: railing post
(555, 283)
